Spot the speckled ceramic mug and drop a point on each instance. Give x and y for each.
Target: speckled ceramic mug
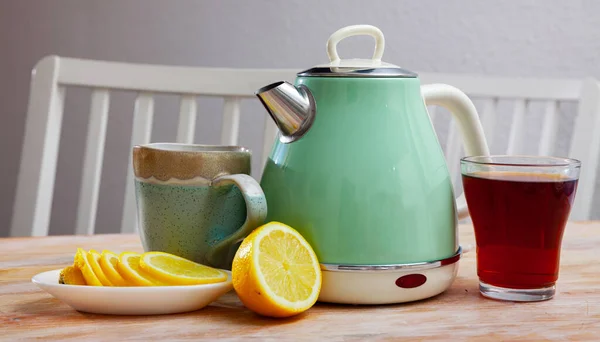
(196, 201)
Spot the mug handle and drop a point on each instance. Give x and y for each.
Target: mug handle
(256, 212)
(465, 114)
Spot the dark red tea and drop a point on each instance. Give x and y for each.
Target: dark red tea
(519, 220)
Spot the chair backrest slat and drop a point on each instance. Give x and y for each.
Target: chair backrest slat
(432, 110)
(453, 149)
(231, 121)
(515, 139)
(585, 146)
(35, 186)
(269, 135)
(488, 118)
(549, 129)
(92, 164)
(142, 128)
(187, 119)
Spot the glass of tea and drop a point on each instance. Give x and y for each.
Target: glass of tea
(519, 206)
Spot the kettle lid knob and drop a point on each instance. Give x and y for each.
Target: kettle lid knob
(355, 67)
(356, 30)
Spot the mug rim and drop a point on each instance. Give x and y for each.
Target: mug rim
(194, 148)
(542, 161)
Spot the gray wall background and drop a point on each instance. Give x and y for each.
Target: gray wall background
(551, 38)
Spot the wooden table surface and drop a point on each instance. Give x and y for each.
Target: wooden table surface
(26, 312)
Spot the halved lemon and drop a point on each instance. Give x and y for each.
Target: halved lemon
(82, 262)
(108, 262)
(93, 258)
(176, 270)
(276, 273)
(129, 268)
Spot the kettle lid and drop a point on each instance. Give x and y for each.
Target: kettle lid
(373, 67)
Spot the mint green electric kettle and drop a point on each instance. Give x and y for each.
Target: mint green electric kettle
(358, 170)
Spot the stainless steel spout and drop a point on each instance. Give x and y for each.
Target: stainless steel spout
(292, 108)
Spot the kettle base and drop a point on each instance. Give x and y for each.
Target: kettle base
(370, 285)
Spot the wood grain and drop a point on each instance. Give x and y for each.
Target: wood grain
(26, 312)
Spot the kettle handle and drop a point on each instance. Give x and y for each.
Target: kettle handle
(355, 30)
(465, 114)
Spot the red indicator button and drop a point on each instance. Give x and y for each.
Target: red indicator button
(410, 281)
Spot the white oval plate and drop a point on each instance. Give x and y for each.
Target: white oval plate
(134, 300)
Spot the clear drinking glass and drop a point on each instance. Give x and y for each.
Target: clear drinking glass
(519, 206)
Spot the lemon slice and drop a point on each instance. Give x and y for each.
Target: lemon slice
(71, 275)
(108, 262)
(93, 258)
(82, 262)
(129, 268)
(176, 270)
(276, 272)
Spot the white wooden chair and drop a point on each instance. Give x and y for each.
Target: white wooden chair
(50, 79)
(53, 75)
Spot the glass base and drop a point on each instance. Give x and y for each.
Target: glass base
(517, 295)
